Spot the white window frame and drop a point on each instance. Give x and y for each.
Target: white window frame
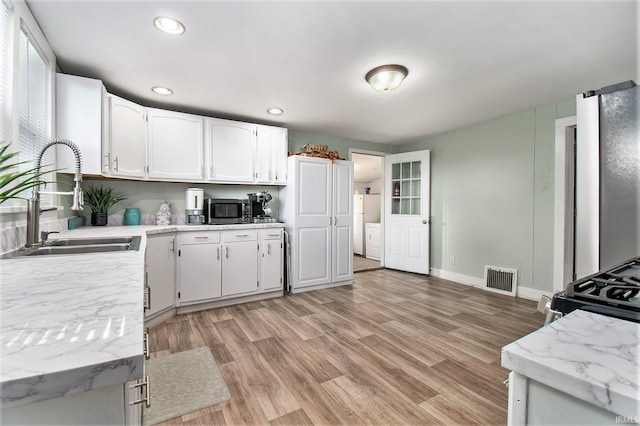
(22, 19)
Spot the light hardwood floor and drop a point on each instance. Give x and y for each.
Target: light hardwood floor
(393, 348)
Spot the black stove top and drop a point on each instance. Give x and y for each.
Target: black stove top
(613, 291)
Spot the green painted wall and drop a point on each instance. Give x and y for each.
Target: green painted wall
(492, 195)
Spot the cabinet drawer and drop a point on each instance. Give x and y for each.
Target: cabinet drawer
(240, 235)
(198, 237)
(272, 234)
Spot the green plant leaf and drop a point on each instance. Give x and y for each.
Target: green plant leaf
(12, 180)
(101, 199)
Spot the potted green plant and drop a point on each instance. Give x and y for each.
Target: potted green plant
(101, 199)
(12, 180)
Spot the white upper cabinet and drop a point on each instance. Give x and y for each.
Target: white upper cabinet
(230, 147)
(128, 138)
(81, 106)
(271, 155)
(119, 138)
(176, 146)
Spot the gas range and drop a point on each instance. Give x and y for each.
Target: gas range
(612, 291)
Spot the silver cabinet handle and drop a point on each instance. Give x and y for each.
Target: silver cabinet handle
(242, 235)
(201, 238)
(273, 235)
(147, 296)
(330, 220)
(146, 384)
(269, 249)
(218, 253)
(116, 163)
(108, 164)
(227, 252)
(147, 352)
(335, 220)
(172, 245)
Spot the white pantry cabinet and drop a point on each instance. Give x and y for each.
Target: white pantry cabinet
(230, 146)
(81, 114)
(127, 139)
(271, 259)
(271, 155)
(317, 208)
(176, 146)
(160, 263)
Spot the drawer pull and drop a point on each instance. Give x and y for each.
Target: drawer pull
(218, 253)
(242, 235)
(273, 235)
(202, 238)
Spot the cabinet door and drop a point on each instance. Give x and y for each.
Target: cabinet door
(176, 146)
(199, 267)
(280, 150)
(128, 138)
(342, 232)
(240, 268)
(79, 113)
(231, 147)
(161, 272)
(313, 198)
(263, 155)
(271, 248)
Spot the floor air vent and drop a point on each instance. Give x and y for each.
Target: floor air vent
(501, 280)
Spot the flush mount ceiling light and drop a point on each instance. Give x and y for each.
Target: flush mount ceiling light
(275, 111)
(162, 90)
(168, 25)
(386, 77)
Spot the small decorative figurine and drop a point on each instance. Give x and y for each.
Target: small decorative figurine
(163, 217)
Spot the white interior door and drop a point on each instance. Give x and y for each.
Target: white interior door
(406, 194)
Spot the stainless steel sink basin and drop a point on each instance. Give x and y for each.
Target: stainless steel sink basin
(91, 241)
(79, 246)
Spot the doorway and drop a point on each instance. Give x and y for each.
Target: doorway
(368, 245)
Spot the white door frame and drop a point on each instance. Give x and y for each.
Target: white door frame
(381, 154)
(564, 222)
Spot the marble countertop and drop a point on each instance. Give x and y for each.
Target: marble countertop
(71, 323)
(592, 357)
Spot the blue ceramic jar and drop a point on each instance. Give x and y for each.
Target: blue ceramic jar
(131, 216)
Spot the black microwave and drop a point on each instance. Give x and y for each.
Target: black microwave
(220, 211)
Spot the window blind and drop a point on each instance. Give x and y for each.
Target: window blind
(5, 72)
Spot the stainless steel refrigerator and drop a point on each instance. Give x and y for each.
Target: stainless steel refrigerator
(607, 188)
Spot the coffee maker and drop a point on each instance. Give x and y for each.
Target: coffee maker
(194, 206)
(260, 212)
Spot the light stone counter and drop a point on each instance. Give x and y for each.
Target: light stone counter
(72, 323)
(592, 357)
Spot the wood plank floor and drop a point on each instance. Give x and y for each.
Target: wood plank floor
(393, 348)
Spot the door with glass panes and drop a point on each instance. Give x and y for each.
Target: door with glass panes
(406, 227)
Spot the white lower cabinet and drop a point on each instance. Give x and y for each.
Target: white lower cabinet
(240, 262)
(271, 257)
(199, 267)
(160, 272)
(104, 406)
(217, 265)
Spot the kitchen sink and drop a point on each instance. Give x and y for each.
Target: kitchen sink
(92, 241)
(79, 246)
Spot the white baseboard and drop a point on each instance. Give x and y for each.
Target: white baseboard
(524, 292)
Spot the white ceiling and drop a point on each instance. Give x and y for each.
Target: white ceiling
(467, 61)
(366, 168)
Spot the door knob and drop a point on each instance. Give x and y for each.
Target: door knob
(425, 221)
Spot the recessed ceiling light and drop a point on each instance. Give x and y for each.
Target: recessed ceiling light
(162, 90)
(275, 111)
(386, 77)
(168, 25)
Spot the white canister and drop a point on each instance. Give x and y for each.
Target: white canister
(194, 199)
